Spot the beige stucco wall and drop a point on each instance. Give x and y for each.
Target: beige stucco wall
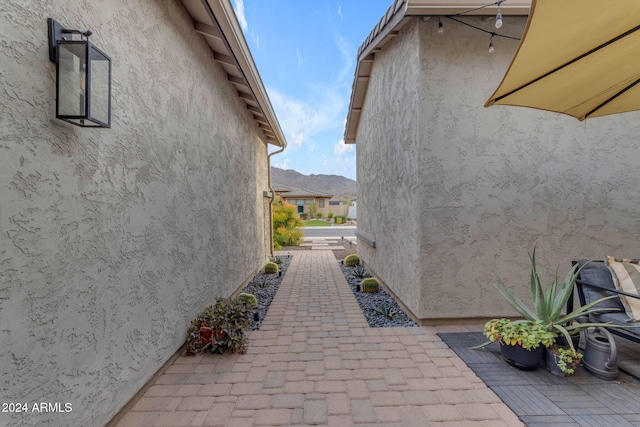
(483, 186)
(388, 175)
(111, 240)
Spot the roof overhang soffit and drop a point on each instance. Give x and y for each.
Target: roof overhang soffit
(217, 22)
(391, 23)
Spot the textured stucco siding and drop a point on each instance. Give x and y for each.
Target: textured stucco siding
(388, 174)
(493, 182)
(111, 240)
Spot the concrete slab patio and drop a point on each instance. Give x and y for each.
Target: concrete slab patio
(315, 361)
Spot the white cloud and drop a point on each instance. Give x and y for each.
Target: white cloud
(299, 56)
(340, 148)
(303, 118)
(340, 11)
(325, 160)
(297, 139)
(283, 164)
(239, 8)
(347, 55)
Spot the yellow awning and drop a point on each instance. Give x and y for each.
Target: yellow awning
(577, 57)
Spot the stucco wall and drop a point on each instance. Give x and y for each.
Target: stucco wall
(491, 182)
(388, 172)
(113, 239)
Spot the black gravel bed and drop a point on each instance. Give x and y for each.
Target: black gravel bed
(264, 287)
(369, 302)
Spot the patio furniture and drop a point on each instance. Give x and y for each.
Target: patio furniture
(595, 281)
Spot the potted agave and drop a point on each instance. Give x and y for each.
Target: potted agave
(547, 312)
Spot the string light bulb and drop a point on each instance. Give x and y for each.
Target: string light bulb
(492, 48)
(440, 27)
(499, 17)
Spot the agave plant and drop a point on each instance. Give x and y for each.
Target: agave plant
(549, 304)
(385, 310)
(359, 271)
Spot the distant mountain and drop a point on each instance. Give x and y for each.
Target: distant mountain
(338, 186)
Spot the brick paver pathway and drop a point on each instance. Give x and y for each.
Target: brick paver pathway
(315, 361)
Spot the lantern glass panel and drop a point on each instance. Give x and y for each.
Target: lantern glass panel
(72, 67)
(100, 88)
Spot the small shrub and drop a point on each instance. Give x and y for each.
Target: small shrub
(285, 225)
(287, 237)
(330, 215)
(348, 219)
(304, 216)
(352, 260)
(369, 285)
(220, 326)
(277, 260)
(319, 215)
(338, 220)
(270, 268)
(249, 298)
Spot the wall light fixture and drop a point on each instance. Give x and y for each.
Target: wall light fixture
(83, 77)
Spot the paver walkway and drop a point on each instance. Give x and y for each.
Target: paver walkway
(315, 361)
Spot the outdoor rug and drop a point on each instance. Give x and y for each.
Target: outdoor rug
(542, 399)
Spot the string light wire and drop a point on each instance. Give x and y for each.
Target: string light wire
(491, 33)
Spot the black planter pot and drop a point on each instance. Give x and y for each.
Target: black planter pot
(561, 341)
(552, 364)
(522, 358)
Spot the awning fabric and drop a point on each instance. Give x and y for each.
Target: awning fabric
(577, 57)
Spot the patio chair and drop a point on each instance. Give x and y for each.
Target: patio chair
(595, 282)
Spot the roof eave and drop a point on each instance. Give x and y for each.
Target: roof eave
(217, 22)
(387, 28)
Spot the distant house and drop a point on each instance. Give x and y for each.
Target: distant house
(303, 200)
(112, 240)
(450, 193)
(338, 207)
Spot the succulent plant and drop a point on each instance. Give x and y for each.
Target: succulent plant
(385, 310)
(270, 268)
(369, 285)
(549, 304)
(359, 271)
(352, 260)
(226, 322)
(250, 298)
(277, 260)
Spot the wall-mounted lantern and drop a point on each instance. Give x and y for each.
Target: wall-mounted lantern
(83, 78)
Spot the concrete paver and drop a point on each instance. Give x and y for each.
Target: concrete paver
(315, 361)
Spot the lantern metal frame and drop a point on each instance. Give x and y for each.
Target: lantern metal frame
(60, 37)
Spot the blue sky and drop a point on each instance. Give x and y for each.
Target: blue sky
(305, 52)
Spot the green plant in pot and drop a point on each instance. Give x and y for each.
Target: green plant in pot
(547, 313)
(562, 361)
(522, 342)
(549, 303)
